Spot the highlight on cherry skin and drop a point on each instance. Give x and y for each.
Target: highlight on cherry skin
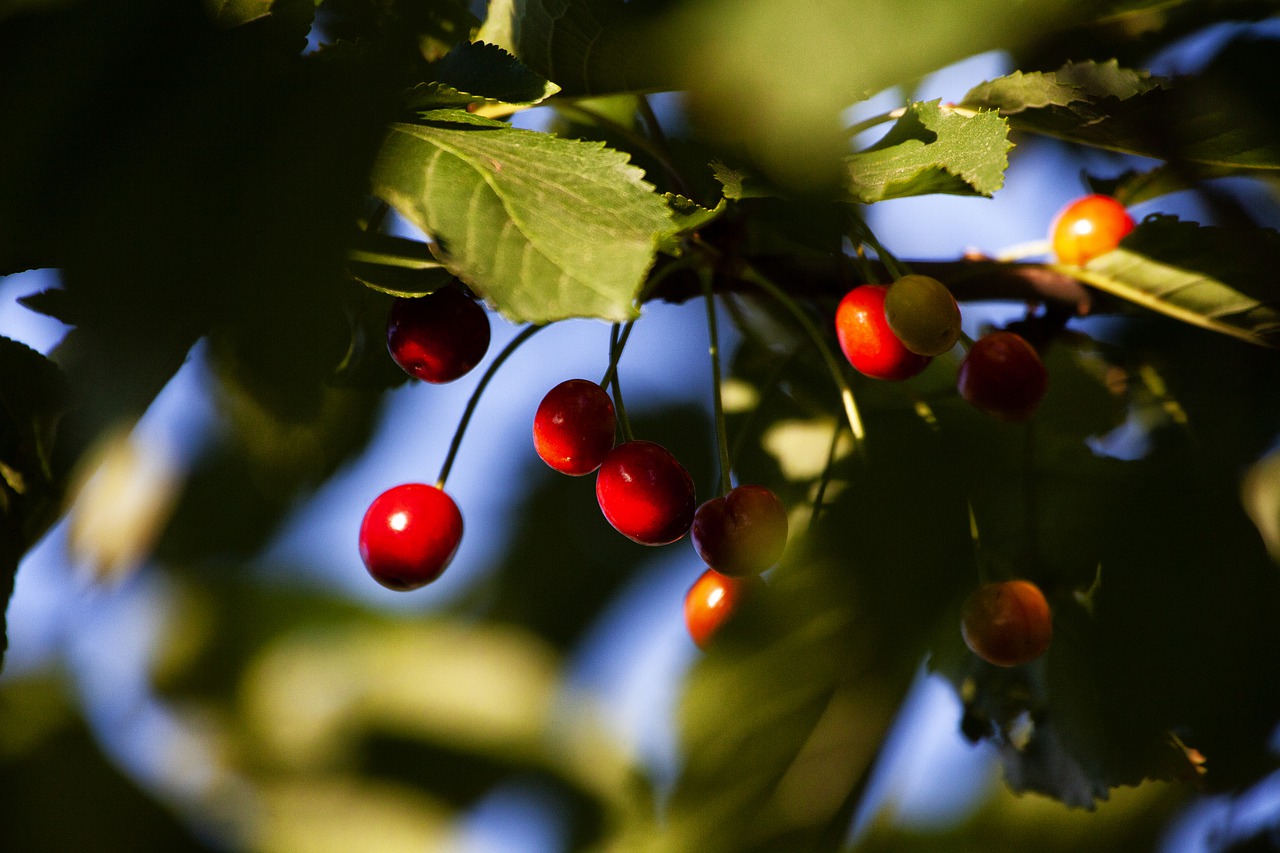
(923, 314)
(1003, 375)
(645, 493)
(741, 533)
(868, 342)
(573, 427)
(409, 535)
(1088, 227)
(1007, 623)
(712, 601)
(438, 337)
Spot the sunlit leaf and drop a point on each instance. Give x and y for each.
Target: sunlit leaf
(933, 149)
(544, 228)
(1216, 278)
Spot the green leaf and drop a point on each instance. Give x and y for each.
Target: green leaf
(688, 217)
(933, 149)
(1220, 118)
(585, 46)
(476, 72)
(1133, 187)
(544, 228)
(1076, 83)
(740, 183)
(395, 265)
(1215, 278)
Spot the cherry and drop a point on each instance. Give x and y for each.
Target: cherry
(438, 337)
(1088, 227)
(1007, 623)
(712, 601)
(923, 314)
(742, 533)
(573, 427)
(1003, 376)
(409, 534)
(645, 493)
(866, 339)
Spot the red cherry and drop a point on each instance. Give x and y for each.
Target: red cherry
(742, 533)
(573, 427)
(868, 342)
(1088, 227)
(409, 534)
(712, 601)
(1007, 623)
(645, 493)
(1003, 376)
(438, 337)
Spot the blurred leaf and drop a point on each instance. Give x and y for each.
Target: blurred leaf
(776, 76)
(1134, 820)
(933, 149)
(544, 228)
(1220, 279)
(335, 812)
(124, 494)
(57, 761)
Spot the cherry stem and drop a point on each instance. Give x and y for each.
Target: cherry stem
(833, 365)
(617, 341)
(717, 398)
(616, 345)
(875, 121)
(864, 235)
(512, 346)
(819, 496)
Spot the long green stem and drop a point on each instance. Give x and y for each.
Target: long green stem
(722, 437)
(833, 365)
(617, 340)
(864, 234)
(819, 497)
(875, 121)
(512, 346)
(617, 343)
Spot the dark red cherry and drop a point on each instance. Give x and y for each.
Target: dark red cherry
(741, 533)
(409, 534)
(1003, 376)
(573, 427)
(438, 337)
(645, 493)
